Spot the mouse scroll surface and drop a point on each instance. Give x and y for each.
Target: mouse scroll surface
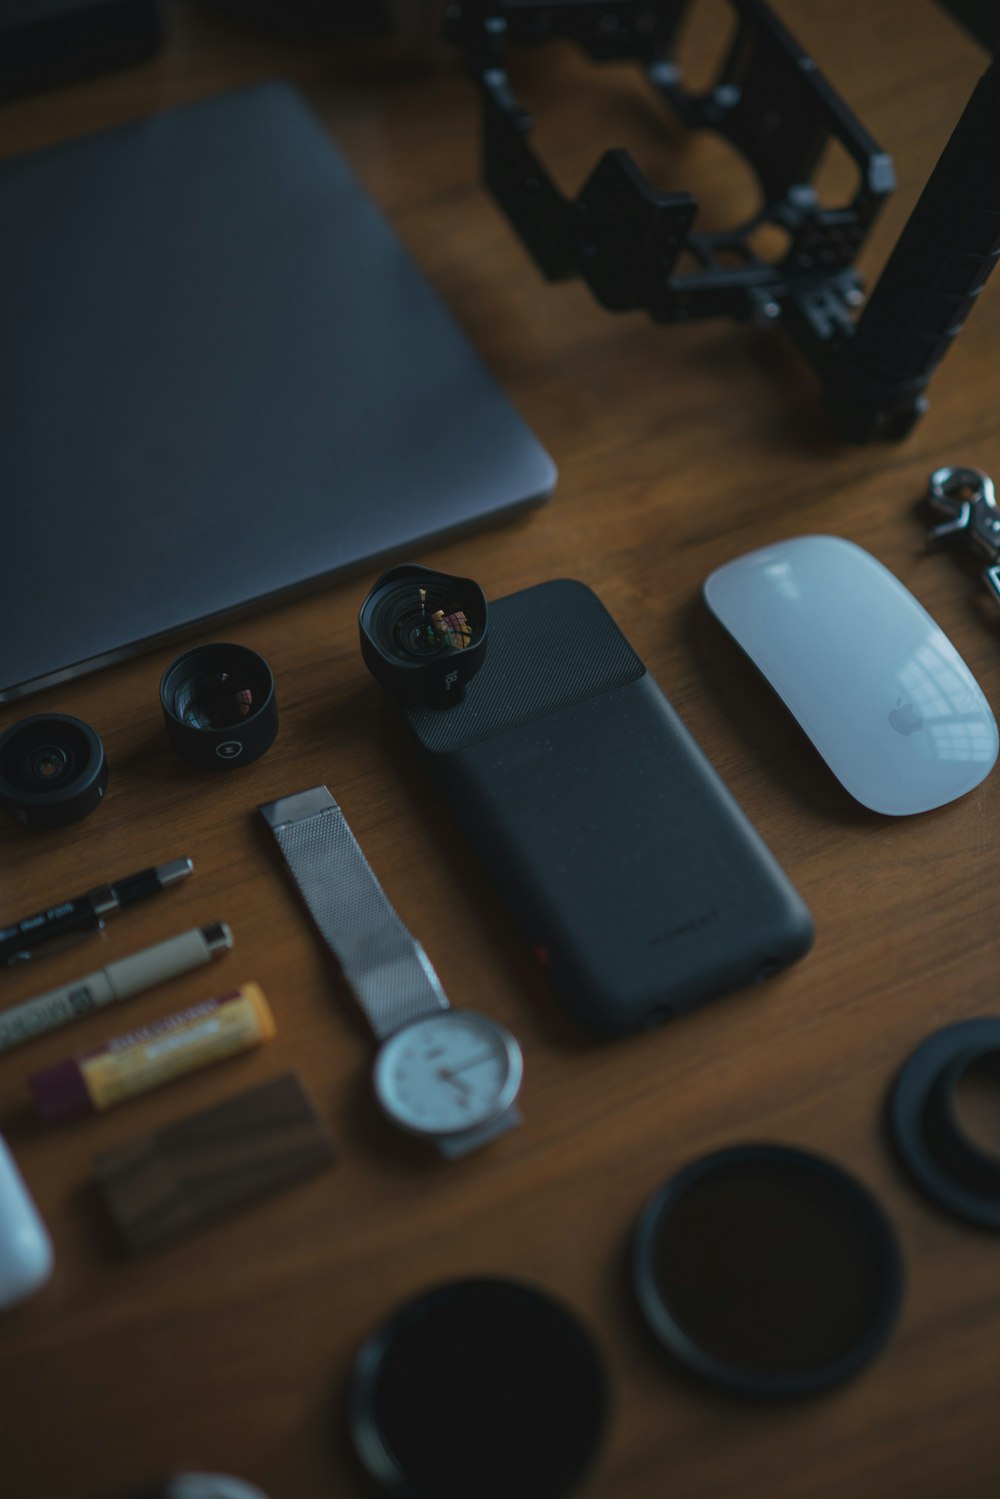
(879, 688)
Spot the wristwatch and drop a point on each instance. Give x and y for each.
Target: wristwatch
(451, 1076)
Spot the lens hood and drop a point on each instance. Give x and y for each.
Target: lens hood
(53, 770)
(423, 634)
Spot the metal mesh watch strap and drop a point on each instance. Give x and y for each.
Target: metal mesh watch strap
(385, 965)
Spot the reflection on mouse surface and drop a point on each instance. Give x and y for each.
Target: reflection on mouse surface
(875, 683)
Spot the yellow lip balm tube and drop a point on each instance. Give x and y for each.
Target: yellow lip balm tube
(143, 1059)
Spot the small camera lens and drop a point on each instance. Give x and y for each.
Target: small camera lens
(423, 634)
(219, 706)
(52, 770)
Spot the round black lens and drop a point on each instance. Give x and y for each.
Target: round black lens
(52, 770)
(219, 706)
(490, 1378)
(423, 634)
(768, 1271)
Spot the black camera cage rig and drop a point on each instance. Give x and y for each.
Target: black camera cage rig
(771, 102)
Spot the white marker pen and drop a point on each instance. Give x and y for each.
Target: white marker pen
(131, 975)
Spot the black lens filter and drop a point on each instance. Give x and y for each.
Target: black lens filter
(479, 1387)
(53, 770)
(768, 1271)
(943, 1116)
(219, 706)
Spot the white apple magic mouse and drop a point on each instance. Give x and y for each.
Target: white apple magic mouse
(876, 684)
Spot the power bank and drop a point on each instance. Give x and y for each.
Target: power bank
(632, 871)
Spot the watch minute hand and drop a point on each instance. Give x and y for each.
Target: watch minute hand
(450, 1072)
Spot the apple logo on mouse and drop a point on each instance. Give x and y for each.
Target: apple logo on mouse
(904, 718)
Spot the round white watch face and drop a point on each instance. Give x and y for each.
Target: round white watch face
(448, 1072)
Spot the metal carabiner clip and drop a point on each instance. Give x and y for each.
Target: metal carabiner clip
(966, 497)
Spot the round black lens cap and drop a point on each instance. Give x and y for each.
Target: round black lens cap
(768, 1271)
(933, 1119)
(484, 1388)
(53, 770)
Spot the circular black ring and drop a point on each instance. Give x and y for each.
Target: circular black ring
(848, 1196)
(945, 1164)
(243, 736)
(538, 1344)
(80, 770)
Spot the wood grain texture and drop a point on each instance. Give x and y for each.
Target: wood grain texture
(677, 449)
(205, 1165)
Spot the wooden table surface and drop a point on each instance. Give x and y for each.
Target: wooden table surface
(677, 449)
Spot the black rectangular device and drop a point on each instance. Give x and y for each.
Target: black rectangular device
(632, 871)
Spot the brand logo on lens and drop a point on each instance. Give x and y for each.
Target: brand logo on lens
(229, 749)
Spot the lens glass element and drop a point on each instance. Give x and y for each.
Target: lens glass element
(419, 622)
(214, 700)
(46, 764)
(36, 760)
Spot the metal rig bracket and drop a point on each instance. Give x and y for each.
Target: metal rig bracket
(622, 235)
(772, 103)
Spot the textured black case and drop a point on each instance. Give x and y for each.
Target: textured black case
(621, 853)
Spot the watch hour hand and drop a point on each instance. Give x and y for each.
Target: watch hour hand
(451, 1077)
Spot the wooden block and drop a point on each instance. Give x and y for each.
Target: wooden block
(198, 1168)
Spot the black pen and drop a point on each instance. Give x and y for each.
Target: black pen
(86, 913)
